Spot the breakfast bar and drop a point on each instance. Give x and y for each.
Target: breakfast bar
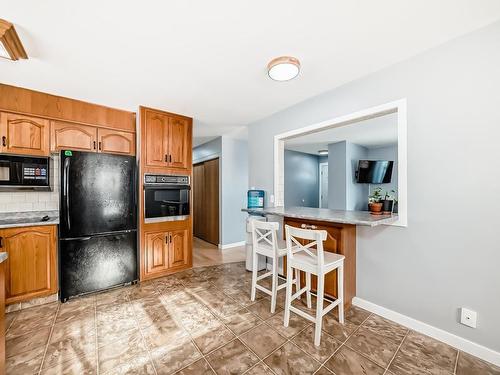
(341, 228)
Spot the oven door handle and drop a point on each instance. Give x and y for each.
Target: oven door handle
(166, 187)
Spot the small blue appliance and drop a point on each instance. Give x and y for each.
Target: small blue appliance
(255, 198)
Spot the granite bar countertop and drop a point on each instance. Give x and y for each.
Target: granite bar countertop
(27, 219)
(3, 257)
(325, 214)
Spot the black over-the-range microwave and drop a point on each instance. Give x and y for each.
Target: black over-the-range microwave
(24, 173)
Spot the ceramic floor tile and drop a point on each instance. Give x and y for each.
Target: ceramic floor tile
(262, 340)
(468, 365)
(385, 327)
(339, 331)
(82, 365)
(305, 341)
(26, 363)
(19, 328)
(78, 327)
(259, 369)
(347, 362)
(211, 337)
(72, 311)
(121, 352)
(422, 354)
(378, 348)
(323, 371)
(68, 347)
(9, 318)
(241, 321)
(175, 356)
(116, 296)
(263, 309)
(200, 367)
(232, 358)
(139, 365)
(27, 342)
(290, 360)
(295, 325)
(150, 315)
(354, 314)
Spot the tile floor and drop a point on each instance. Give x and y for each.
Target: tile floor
(202, 321)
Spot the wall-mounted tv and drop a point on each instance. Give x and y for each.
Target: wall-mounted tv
(374, 171)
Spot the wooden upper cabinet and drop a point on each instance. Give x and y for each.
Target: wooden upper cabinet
(65, 135)
(156, 252)
(156, 134)
(178, 143)
(24, 135)
(31, 264)
(178, 248)
(115, 142)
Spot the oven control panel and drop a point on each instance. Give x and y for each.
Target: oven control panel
(165, 179)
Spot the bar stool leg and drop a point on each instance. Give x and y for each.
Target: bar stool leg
(254, 275)
(308, 285)
(319, 309)
(340, 283)
(274, 289)
(288, 300)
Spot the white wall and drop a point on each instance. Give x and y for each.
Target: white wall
(32, 200)
(448, 256)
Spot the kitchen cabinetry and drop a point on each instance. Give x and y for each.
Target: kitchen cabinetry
(31, 264)
(166, 248)
(341, 239)
(25, 135)
(65, 135)
(167, 140)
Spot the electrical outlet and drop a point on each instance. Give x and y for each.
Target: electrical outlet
(271, 198)
(468, 317)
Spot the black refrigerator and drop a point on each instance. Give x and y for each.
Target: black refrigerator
(98, 222)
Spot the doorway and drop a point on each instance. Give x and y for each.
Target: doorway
(206, 201)
(323, 185)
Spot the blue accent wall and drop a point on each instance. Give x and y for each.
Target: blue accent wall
(301, 179)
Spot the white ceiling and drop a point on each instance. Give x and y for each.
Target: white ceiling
(207, 59)
(372, 133)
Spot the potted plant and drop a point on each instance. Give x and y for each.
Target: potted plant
(375, 202)
(388, 202)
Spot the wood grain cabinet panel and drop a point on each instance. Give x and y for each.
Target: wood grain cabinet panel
(156, 252)
(156, 139)
(65, 135)
(24, 135)
(177, 143)
(31, 266)
(114, 142)
(178, 248)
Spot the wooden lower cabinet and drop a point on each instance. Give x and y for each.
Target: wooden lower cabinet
(166, 248)
(2, 318)
(341, 240)
(31, 268)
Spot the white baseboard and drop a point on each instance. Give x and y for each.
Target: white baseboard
(230, 245)
(436, 333)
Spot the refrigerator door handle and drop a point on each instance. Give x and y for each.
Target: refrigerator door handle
(76, 239)
(66, 191)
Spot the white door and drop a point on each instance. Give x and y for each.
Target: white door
(323, 185)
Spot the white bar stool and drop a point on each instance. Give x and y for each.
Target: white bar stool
(265, 242)
(312, 259)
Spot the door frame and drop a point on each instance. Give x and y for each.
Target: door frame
(320, 190)
(397, 106)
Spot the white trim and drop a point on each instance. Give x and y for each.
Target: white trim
(320, 192)
(230, 245)
(451, 339)
(398, 106)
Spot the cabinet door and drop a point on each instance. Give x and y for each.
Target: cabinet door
(31, 263)
(178, 143)
(178, 248)
(64, 135)
(156, 252)
(24, 135)
(156, 139)
(116, 142)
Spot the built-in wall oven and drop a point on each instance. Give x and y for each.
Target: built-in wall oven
(166, 197)
(24, 173)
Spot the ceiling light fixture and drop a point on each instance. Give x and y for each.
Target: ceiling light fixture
(10, 45)
(323, 152)
(283, 68)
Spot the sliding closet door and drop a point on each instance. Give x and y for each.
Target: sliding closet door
(206, 201)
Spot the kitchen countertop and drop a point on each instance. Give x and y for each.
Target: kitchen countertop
(325, 214)
(27, 219)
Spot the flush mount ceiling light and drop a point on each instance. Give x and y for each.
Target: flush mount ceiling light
(323, 152)
(283, 68)
(10, 45)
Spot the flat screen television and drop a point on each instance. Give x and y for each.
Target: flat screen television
(374, 171)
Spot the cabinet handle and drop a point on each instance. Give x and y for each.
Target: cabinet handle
(166, 158)
(4, 140)
(1, 242)
(170, 158)
(307, 226)
(166, 239)
(100, 146)
(94, 145)
(170, 240)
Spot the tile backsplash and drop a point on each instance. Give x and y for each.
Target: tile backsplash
(32, 200)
